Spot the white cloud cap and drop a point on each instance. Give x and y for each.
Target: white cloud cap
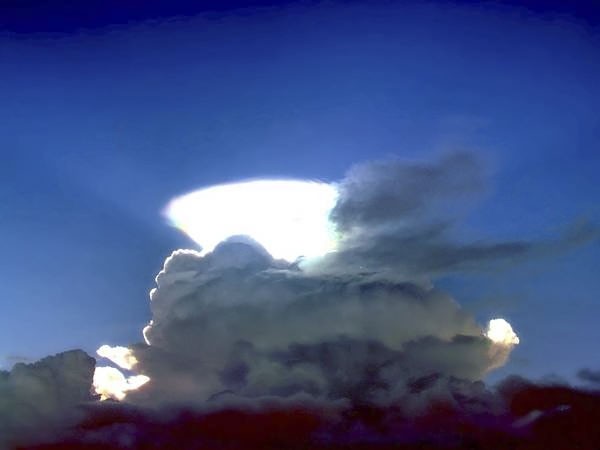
(290, 218)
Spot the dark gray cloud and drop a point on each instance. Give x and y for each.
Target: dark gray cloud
(398, 192)
(400, 219)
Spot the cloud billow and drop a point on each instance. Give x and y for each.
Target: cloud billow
(254, 328)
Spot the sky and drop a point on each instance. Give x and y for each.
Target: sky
(105, 116)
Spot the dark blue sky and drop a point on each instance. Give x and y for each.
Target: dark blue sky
(101, 124)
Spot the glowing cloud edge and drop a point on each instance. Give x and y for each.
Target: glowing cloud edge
(499, 331)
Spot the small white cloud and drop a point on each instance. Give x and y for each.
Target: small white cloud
(500, 332)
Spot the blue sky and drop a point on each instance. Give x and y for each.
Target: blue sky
(100, 127)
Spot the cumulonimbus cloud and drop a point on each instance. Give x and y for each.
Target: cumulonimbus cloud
(237, 323)
(357, 345)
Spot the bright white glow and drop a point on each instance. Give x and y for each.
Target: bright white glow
(111, 383)
(121, 356)
(290, 218)
(147, 328)
(499, 331)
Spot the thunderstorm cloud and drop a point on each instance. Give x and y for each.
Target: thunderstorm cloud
(354, 346)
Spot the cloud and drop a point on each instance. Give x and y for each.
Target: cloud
(235, 323)
(398, 192)
(289, 217)
(121, 356)
(355, 348)
(38, 399)
(460, 415)
(400, 219)
(109, 382)
(589, 376)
